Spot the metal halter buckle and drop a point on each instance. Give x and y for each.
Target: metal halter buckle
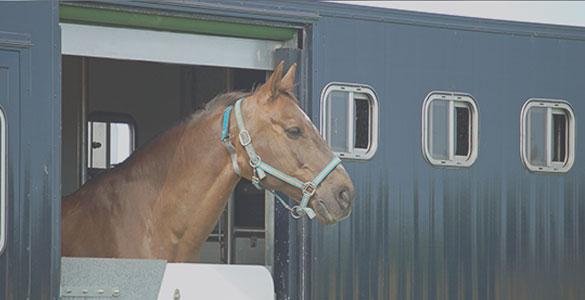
(254, 163)
(296, 212)
(245, 138)
(309, 188)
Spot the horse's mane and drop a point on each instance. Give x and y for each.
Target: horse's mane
(220, 101)
(226, 99)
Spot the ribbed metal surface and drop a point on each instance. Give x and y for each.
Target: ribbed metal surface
(456, 238)
(494, 231)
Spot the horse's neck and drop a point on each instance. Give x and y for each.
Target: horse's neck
(192, 177)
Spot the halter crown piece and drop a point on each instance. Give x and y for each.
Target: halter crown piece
(261, 168)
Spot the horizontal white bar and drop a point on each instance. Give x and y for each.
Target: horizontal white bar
(167, 47)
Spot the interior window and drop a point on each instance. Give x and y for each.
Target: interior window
(110, 141)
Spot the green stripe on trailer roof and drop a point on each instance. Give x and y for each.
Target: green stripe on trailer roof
(86, 15)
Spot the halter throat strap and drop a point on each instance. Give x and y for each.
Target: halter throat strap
(260, 168)
(226, 139)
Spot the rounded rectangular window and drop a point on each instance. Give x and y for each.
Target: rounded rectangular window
(450, 129)
(349, 120)
(547, 134)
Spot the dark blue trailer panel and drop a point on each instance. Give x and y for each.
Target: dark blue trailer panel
(30, 99)
(491, 231)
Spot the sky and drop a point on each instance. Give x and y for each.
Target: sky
(570, 13)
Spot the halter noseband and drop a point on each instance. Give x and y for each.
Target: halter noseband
(261, 168)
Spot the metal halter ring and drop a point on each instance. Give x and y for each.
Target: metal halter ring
(245, 138)
(296, 212)
(309, 188)
(255, 162)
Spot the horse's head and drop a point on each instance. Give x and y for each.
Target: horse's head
(285, 138)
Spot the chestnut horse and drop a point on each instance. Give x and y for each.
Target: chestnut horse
(165, 199)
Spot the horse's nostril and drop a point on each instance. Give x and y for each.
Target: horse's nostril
(344, 198)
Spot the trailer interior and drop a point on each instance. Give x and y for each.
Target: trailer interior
(112, 107)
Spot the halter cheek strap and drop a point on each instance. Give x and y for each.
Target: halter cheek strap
(261, 168)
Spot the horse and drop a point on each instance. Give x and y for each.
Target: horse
(165, 199)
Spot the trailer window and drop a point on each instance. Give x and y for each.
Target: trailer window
(111, 140)
(349, 120)
(2, 181)
(450, 129)
(547, 136)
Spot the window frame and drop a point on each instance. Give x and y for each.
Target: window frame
(364, 92)
(552, 106)
(454, 100)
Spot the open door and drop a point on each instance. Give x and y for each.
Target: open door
(30, 100)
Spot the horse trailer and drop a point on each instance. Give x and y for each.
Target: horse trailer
(462, 137)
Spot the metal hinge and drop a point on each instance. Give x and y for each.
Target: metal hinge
(89, 292)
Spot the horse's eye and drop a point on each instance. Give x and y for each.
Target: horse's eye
(294, 132)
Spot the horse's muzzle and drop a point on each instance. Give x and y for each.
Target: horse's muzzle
(331, 210)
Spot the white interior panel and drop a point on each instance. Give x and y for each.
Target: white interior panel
(219, 282)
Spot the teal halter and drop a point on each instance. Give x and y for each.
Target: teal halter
(261, 168)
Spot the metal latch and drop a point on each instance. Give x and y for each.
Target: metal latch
(89, 292)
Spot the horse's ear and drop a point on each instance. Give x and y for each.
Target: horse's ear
(289, 78)
(272, 86)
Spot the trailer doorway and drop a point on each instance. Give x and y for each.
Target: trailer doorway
(150, 80)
